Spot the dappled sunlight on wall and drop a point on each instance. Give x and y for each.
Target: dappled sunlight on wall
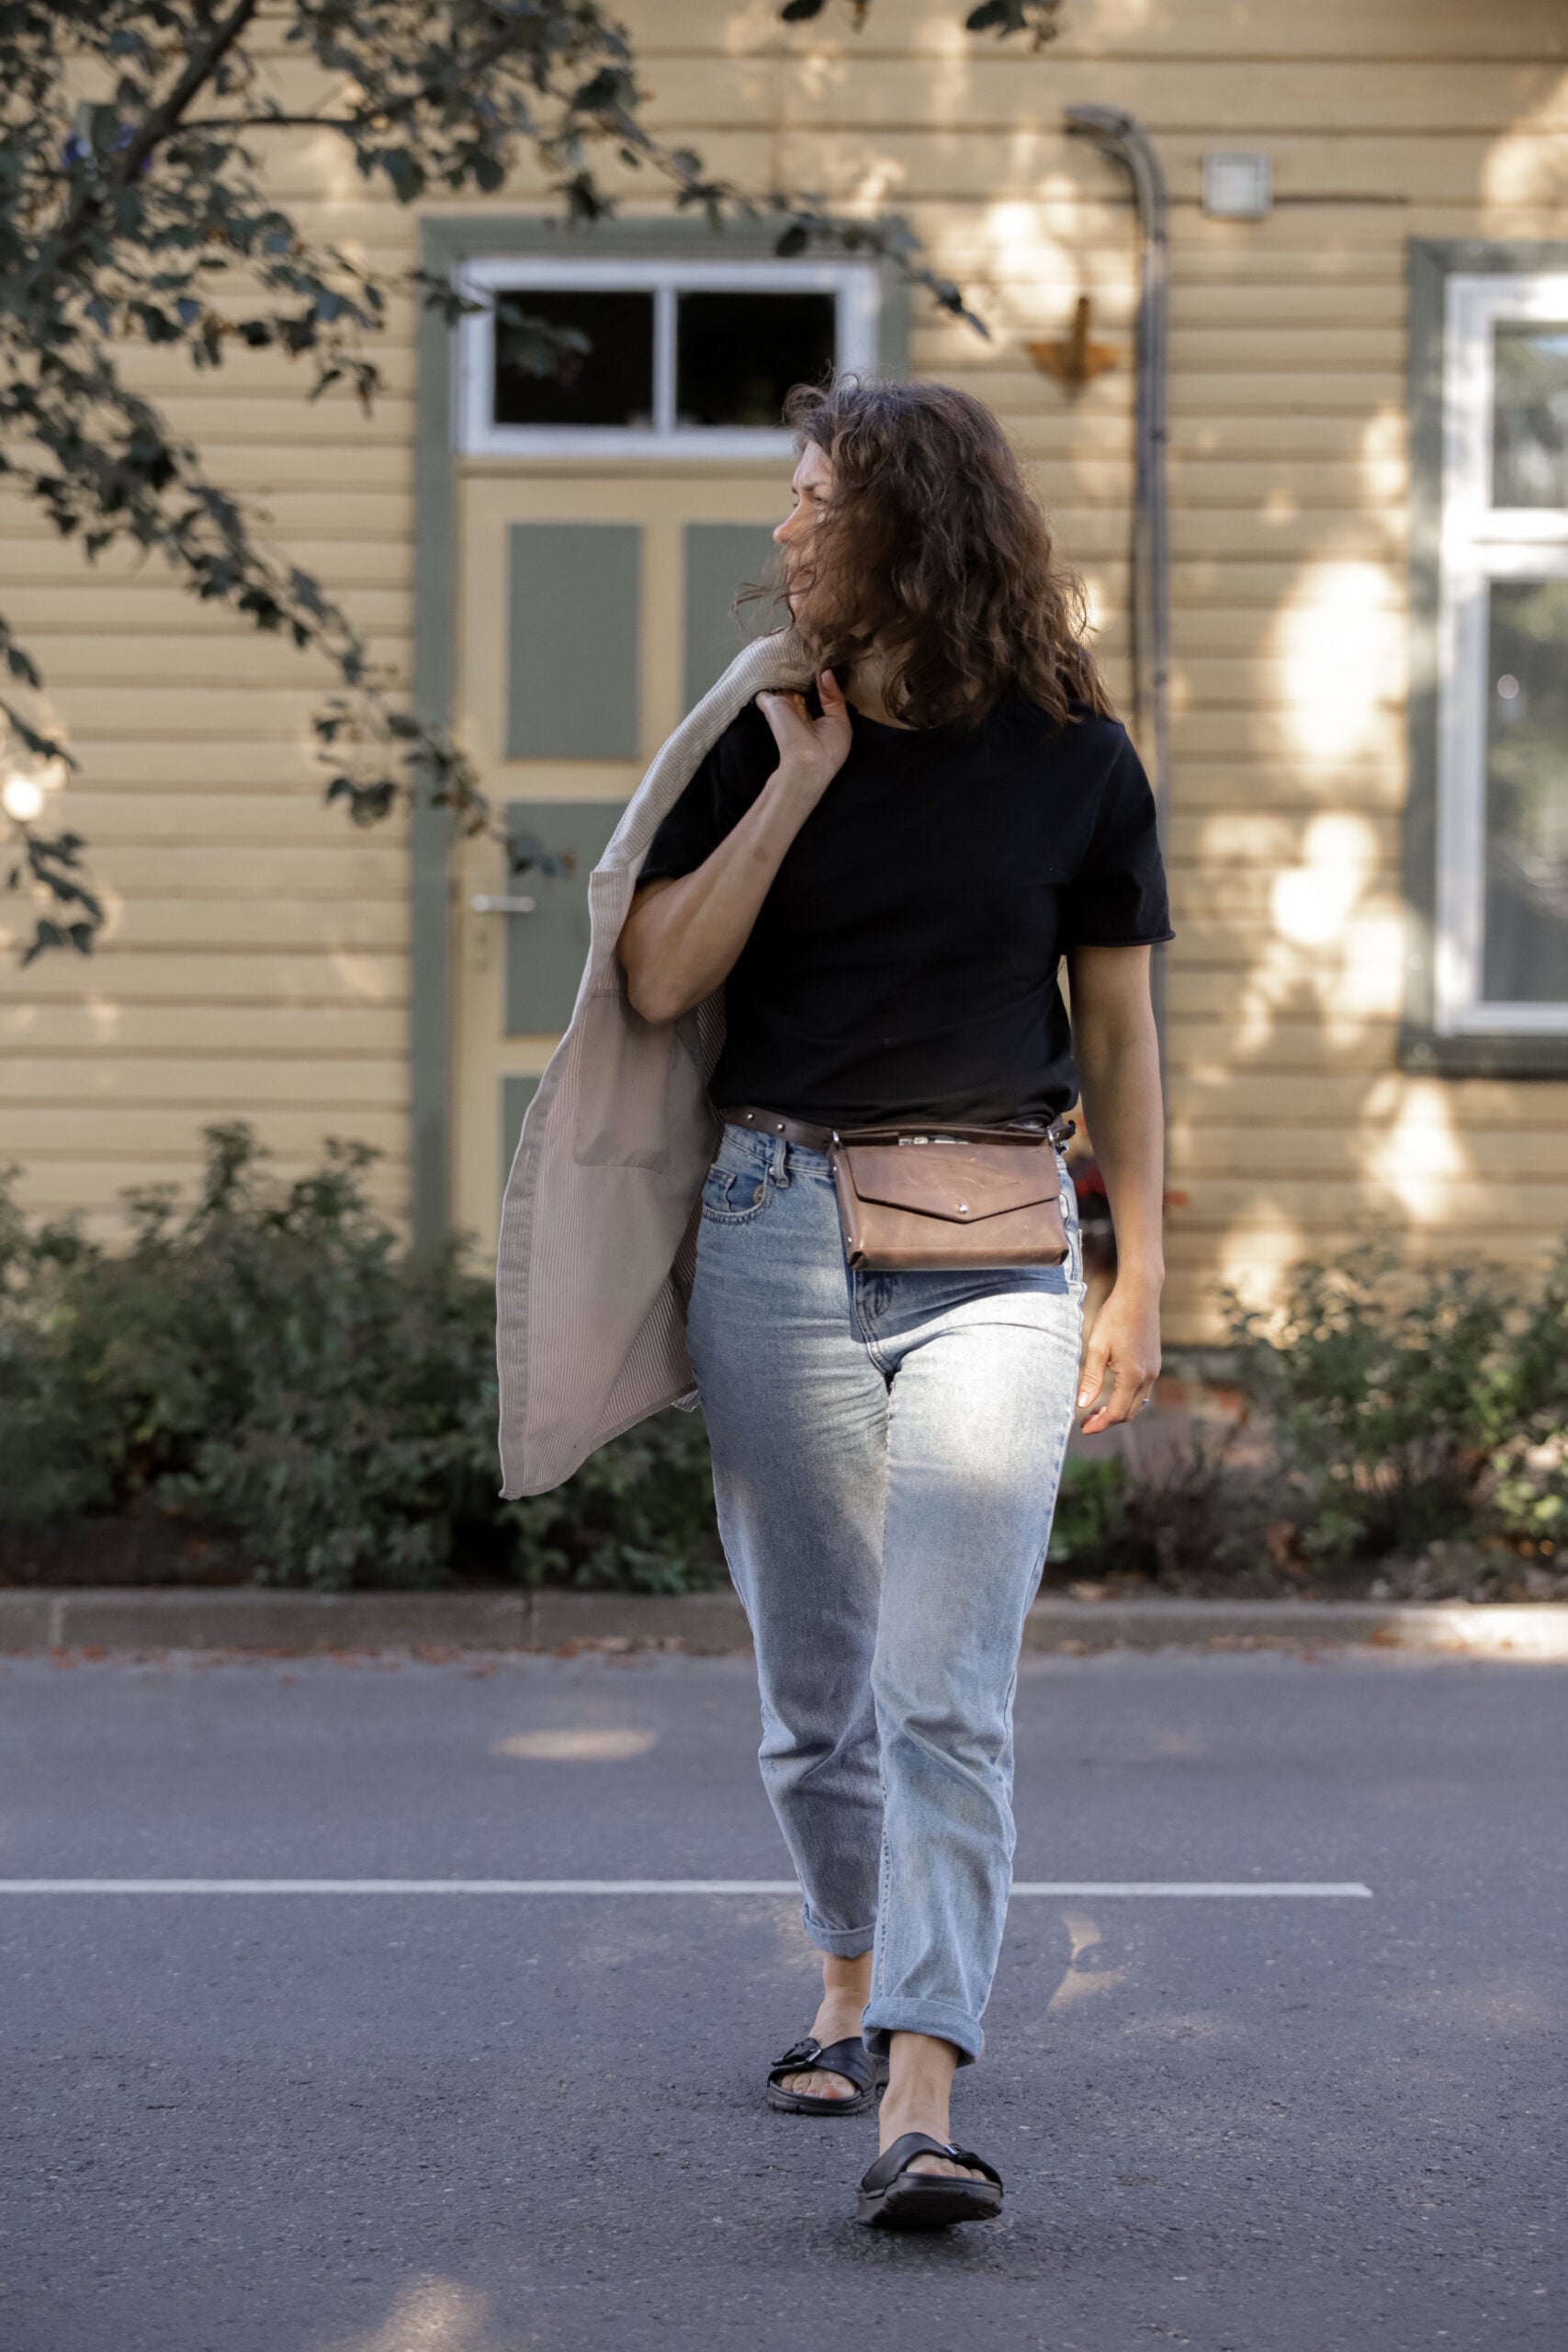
(1095, 601)
(1297, 899)
(741, 31)
(1414, 1150)
(102, 1014)
(1529, 165)
(365, 979)
(1335, 663)
(1321, 1135)
(334, 178)
(821, 76)
(1251, 1261)
(1312, 902)
(863, 182)
(1384, 460)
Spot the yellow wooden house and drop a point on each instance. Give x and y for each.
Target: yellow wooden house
(1366, 377)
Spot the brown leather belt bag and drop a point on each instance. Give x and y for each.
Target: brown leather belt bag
(939, 1198)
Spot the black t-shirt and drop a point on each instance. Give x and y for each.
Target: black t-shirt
(904, 963)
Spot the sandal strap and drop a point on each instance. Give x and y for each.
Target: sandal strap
(892, 2160)
(808, 2056)
(968, 2156)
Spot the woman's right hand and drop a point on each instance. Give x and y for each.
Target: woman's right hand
(811, 750)
(681, 937)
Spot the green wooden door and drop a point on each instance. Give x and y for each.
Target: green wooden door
(595, 609)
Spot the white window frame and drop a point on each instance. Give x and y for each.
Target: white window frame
(855, 284)
(1480, 543)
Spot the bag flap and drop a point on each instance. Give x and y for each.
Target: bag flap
(962, 1181)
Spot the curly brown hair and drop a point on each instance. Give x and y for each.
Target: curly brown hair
(934, 549)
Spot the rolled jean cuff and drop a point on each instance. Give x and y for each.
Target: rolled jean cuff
(881, 2018)
(847, 1943)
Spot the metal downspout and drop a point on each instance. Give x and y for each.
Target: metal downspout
(1124, 138)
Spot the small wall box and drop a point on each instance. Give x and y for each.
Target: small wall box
(1237, 185)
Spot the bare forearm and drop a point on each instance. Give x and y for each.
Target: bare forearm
(680, 941)
(1118, 1058)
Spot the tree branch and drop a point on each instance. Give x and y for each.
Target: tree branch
(166, 117)
(276, 123)
(159, 123)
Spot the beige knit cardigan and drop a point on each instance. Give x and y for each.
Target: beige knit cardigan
(598, 1225)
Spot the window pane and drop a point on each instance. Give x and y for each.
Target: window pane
(1525, 958)
(736, 354)
(611, 383)
(1529, 434)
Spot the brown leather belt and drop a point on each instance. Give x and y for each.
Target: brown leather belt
(814, 1138)
(777, 1123)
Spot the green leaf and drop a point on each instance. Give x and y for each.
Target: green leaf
(406, 174)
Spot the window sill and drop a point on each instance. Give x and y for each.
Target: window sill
(1484, 1053)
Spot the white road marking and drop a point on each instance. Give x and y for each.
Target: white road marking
(1335, 1889)
(1332, 1889)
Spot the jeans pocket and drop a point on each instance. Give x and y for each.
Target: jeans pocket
(734, 1196)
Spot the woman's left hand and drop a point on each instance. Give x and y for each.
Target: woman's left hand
(1124, 1347)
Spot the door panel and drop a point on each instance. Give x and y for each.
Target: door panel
(593, 610)
(719, 557)
(574, 640)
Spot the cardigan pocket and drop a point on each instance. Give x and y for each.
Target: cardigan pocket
(623, 1086)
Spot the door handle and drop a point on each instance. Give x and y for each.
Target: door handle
(485, 905)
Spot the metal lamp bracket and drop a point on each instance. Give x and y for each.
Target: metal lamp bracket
(1076, 361)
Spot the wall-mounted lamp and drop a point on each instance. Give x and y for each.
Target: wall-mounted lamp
(1075, 361)
(1237, 185)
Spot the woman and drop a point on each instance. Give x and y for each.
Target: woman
(883, 874)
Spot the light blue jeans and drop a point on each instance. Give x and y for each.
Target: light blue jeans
(885, 1451)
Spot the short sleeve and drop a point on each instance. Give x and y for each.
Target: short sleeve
(688, 833)
(718, 796)
(1118, 897)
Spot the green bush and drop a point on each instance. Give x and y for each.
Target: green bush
(1376, 1388)
(1411, 1411)
(270, 1365)
(1181, 1515)
(1091, 1525)
(1527, 1421)
(273, 1365)
(1391, 1418)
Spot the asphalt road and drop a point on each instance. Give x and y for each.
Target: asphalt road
(513, 2123)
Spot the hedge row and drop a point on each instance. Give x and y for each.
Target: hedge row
(270, 1363)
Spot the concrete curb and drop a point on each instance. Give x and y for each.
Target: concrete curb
(255, 1618)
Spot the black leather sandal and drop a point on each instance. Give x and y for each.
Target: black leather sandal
(891, 2198)
(849, 2058)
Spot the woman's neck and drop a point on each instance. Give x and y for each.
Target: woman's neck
(865, 689)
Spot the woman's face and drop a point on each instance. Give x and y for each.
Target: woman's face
(812, 487)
